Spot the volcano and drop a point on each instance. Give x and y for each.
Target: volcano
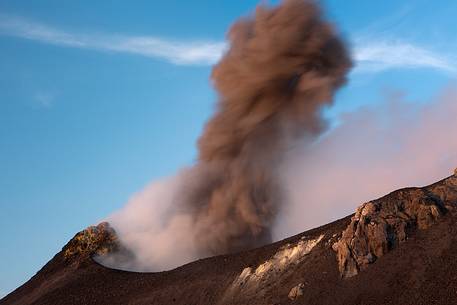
(398, 249)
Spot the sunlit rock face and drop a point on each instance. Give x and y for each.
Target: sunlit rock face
(381, 225)
(253, 280)
(92, 241)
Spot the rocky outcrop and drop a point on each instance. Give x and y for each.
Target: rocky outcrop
(252, 280)
(287, 256)
(296, 292)
(381, 225)
(94, 240)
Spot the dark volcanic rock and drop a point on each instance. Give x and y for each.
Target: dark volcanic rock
(412, 247)
(381, 225)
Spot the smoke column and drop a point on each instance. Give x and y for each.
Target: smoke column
(281, 69)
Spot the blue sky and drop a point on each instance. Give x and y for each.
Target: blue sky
(97, 98)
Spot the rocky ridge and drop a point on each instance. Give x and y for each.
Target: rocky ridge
(405, 244)
(381, 225)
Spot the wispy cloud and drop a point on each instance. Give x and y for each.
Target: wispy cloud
(370, 56)
(389, 54)
(177, 52)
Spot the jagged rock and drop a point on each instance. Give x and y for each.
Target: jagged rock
(94, 240)
(284, 261)
(381, 225)
(296, 291)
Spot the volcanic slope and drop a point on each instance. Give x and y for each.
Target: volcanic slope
(399, 249)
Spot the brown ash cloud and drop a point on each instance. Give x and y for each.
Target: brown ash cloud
(281, 69)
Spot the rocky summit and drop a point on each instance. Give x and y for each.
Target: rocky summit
(398, 249)
(95, 240)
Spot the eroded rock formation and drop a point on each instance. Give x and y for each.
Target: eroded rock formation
(253, 280)
(381, 225)
(94, 240)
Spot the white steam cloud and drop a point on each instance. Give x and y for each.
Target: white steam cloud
(145, 227)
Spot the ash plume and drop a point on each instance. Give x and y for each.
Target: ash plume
(282, 68)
